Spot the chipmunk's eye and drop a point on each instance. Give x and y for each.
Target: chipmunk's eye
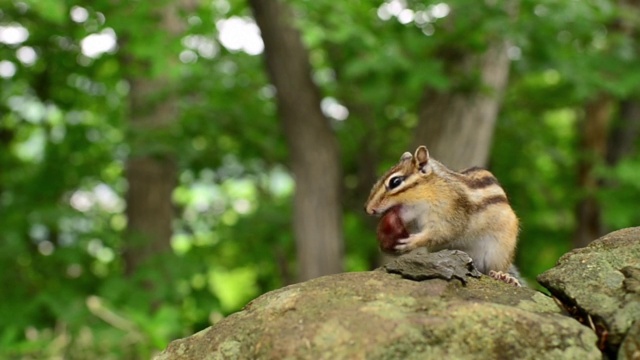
(395, 182)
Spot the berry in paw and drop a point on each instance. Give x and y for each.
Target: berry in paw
(391, 230)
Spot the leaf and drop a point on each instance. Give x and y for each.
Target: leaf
(55, 11)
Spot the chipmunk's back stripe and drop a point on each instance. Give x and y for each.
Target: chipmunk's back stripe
(471, 170)
(482, 182)
(497, 199)
(475, 178)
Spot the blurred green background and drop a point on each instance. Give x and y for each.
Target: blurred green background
(147, 169)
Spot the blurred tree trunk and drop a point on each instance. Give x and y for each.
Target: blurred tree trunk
(457, 126)
(313, 148)
(593, 133)
(151, 174)
(149, 209)
(602, 141)
(599, 144)
(624, 134)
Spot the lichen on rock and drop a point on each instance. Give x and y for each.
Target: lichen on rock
(600, 285)
(380, 315)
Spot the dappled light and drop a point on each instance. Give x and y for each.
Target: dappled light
(7, 69)
(97, 44)
(79, 14)
(423, 16)
(101, 195)
(204, 46)
(236, 33)
(13, 34)
(333, 109)
(26, 55)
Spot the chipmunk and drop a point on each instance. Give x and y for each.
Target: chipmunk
(427, 205)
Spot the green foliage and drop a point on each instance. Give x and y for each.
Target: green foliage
(622, 194)
(53, 11)
(64, 140)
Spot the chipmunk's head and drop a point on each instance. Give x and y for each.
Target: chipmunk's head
(397, 185)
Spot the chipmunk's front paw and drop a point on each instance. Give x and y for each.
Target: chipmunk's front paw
(406, 244)
(504, 277)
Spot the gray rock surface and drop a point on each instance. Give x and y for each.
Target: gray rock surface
(423, 265)
(379, 315)
(600, 285)
(630, 347)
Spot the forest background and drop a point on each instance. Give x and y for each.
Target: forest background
(164, 162)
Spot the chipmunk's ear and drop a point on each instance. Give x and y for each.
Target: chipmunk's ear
(421, 159)
(406, 157)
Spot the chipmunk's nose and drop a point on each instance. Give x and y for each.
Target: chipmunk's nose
(370, 211)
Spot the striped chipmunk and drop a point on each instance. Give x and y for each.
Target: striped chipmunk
(424, 204)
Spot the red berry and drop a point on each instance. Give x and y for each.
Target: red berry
(391, 229)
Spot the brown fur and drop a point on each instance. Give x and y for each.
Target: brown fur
(443, 209)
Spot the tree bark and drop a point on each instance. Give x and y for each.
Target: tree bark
(457, 127)
(622, 141)
(314, 155)
(624, 133)
(593, 131)
(149, 209)
(151, 175)
(600, 144)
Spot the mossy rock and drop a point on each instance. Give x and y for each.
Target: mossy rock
(600, 285)
(379, 315)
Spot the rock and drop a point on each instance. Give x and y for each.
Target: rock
(600, 285)
(379, 315)
(423, 265)
(630, 347)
